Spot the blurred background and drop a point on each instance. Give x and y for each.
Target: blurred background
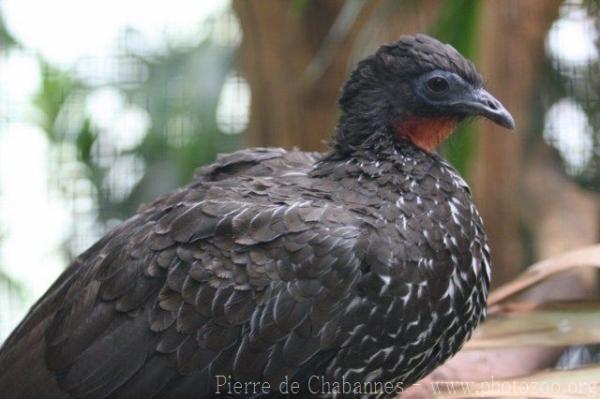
(105, 105)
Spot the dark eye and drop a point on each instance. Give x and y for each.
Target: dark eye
(437, 84)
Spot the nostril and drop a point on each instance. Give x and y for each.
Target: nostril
(492, 105)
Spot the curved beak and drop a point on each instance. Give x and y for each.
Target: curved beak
(481, 103)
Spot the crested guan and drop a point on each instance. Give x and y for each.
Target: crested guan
(350, 273)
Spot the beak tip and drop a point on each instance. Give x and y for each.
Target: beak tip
(509, 122)
(487, 106)
(502, 118)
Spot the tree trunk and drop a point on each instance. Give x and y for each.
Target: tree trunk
(562, 216)
(512, 46)
(278, 45)
(297, 60)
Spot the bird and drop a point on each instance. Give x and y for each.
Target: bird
(280, 273)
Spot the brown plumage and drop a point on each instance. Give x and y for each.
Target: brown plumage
(368, 264)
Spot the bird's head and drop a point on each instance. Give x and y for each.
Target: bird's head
(417, 89)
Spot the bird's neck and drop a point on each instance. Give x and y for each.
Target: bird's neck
(427, 133)
(377, 147)
(355, 130)
(381, 157)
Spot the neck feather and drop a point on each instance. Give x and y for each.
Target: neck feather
(425, 132)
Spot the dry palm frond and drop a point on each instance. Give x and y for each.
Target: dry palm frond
(538, 272)
(550, 324)
(541, 324)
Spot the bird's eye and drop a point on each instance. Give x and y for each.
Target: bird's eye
(437, 84)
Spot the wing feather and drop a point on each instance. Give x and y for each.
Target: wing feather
(216, 278)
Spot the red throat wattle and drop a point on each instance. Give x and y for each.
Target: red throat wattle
(425, 132)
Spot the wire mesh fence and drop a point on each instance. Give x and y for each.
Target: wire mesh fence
(571, 87)
(116, 128)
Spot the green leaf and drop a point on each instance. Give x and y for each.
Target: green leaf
(8, 283)
(7, 40)
(299, 6)
(85, 139)
(56, 87)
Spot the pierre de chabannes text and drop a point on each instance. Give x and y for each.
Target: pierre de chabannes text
(316, 384)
